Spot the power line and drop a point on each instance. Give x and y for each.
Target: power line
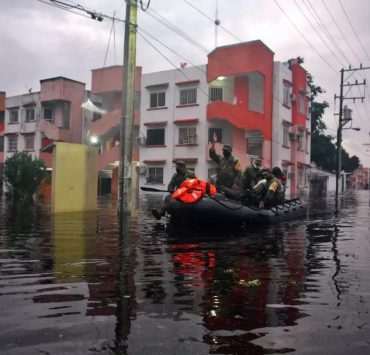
(212, 20)
(317, 32)
(340, 30)
(324, 28)
(305, 38)
(154, 14)
(63, 8)
(354, 31)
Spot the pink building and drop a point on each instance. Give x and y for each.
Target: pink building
(55, 113)
(107, 87)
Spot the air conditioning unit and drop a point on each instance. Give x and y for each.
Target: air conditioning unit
(141, 141)
(141, 169)
(292, 97)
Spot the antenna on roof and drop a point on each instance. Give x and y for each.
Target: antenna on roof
(217, 23)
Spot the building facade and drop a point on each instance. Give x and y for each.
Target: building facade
(106, 87)
(241, 97)
(36, 119)
(359, 179)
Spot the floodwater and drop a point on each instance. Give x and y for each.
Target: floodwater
(74, 285)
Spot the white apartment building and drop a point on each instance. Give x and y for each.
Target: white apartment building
(259, 107)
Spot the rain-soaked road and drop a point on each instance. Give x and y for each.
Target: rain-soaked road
(71, 285)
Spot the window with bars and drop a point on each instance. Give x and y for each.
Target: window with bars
(30, 114)
(13, 116)
(215, 94)
(286, 95)
(286, 142)
(29, 141)
(188, 135)
(155, 175)
(301, 104)
(48, 114)
(157, 99)
(301, 141)
(155, 136)
(215, 132)
(12, 143)
(188, 96)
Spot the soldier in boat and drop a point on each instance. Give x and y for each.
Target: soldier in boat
(182, 173)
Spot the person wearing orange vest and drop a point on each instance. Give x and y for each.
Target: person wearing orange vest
(182, 173)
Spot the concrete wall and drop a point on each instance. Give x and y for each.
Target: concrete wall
(75, 178)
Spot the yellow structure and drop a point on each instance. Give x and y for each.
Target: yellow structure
(75, 178)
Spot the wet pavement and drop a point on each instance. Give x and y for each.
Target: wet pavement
(74, 285)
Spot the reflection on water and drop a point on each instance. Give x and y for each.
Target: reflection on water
(80, 284)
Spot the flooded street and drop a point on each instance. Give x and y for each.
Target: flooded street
(73, 285)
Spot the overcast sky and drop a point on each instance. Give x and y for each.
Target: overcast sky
(39, 41)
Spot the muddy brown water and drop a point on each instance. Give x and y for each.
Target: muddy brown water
(73, 284)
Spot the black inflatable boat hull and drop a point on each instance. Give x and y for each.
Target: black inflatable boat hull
(220, 209)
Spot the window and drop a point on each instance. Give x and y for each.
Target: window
(97, 114)
(2, 114)
(254, 147)
(301, 140)
(155, 136)
(308, 136)
(155, 175)
(301, 103)
(48, 114)
(212, 132)
(286, 95)
(188, 135)
(1, 143)
(157, 99)
(188, 96)
(13, 116)
(29, 141)
(30, 114)
(286, 136)
(12, 143)
(215, 94)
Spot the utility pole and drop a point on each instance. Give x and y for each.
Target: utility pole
(127, 109)
(343, 120)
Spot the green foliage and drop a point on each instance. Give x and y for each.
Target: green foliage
(323, 150)
(349, 164)
(23, 176)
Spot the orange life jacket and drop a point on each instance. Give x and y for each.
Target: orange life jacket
(192, 190)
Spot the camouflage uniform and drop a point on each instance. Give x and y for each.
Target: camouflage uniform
(228, 169)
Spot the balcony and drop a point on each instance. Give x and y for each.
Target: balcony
(53, 132)
(109, 159)
(238, 116)
(108, 125)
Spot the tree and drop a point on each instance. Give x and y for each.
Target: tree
(323, 150)
(23, 176)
